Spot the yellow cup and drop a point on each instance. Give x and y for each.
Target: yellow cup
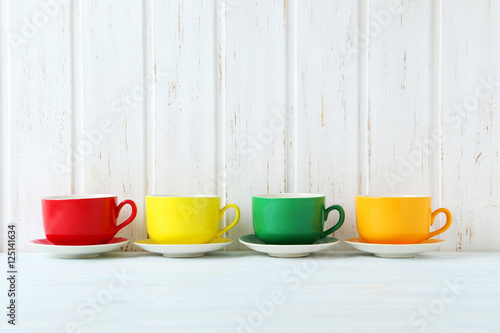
(397, 219)
(186, 219)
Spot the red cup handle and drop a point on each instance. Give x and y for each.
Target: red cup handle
(132, 216)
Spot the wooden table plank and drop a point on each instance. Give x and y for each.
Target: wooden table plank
(251, 292)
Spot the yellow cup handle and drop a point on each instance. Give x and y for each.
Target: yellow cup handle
(446, 226)
(221, 214)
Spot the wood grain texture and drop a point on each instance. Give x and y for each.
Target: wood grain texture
(254, 105)
(222, 291)
(4, 120)
(470, 122)
(242, 97)
(327, 106)
(39, 113)
(398, 115)
(184, 118)
(114, 86)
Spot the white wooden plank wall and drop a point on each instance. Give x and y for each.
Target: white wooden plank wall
(254, 102)
(398, 97)
(241, 97)
(37, 115)
(327, 105)
(470, 183)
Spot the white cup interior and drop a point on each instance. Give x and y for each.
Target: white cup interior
(182, 196)
(288, 196)
(80, 196)
(393, 195)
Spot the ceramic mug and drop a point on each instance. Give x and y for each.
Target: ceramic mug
(397, 219)
(83, 219)
(292, 218)
(186, 219)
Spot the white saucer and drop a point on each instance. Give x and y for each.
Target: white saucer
(183, 250)
(395, 250)
(287, 251)
(77, 251)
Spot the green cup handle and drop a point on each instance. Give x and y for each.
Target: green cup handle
(339, 223)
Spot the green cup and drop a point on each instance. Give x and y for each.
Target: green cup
(291, 218)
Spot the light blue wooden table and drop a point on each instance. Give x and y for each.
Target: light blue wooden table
(251, 292)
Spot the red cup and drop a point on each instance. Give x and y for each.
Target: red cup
(83, 219)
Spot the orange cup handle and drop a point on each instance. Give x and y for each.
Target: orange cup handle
(446, 226)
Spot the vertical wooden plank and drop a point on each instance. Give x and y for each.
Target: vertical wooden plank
(40, 111)
(220, 99)
(327, 106)
(435, 100)
(469, 118)
(149, 99)
(4, 119)
(114, 85)
(254, 104)
(291, 149)
(361, 49)
(436, 146)
(183, 135)
(78, 99)
(399, 106)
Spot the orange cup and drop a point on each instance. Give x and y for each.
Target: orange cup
(397, 219)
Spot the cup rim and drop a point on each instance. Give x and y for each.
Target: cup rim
(182, 196)
(386, 196)
(80, 196)
(288, 196)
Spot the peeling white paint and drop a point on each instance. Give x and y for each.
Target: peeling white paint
(243, 97)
